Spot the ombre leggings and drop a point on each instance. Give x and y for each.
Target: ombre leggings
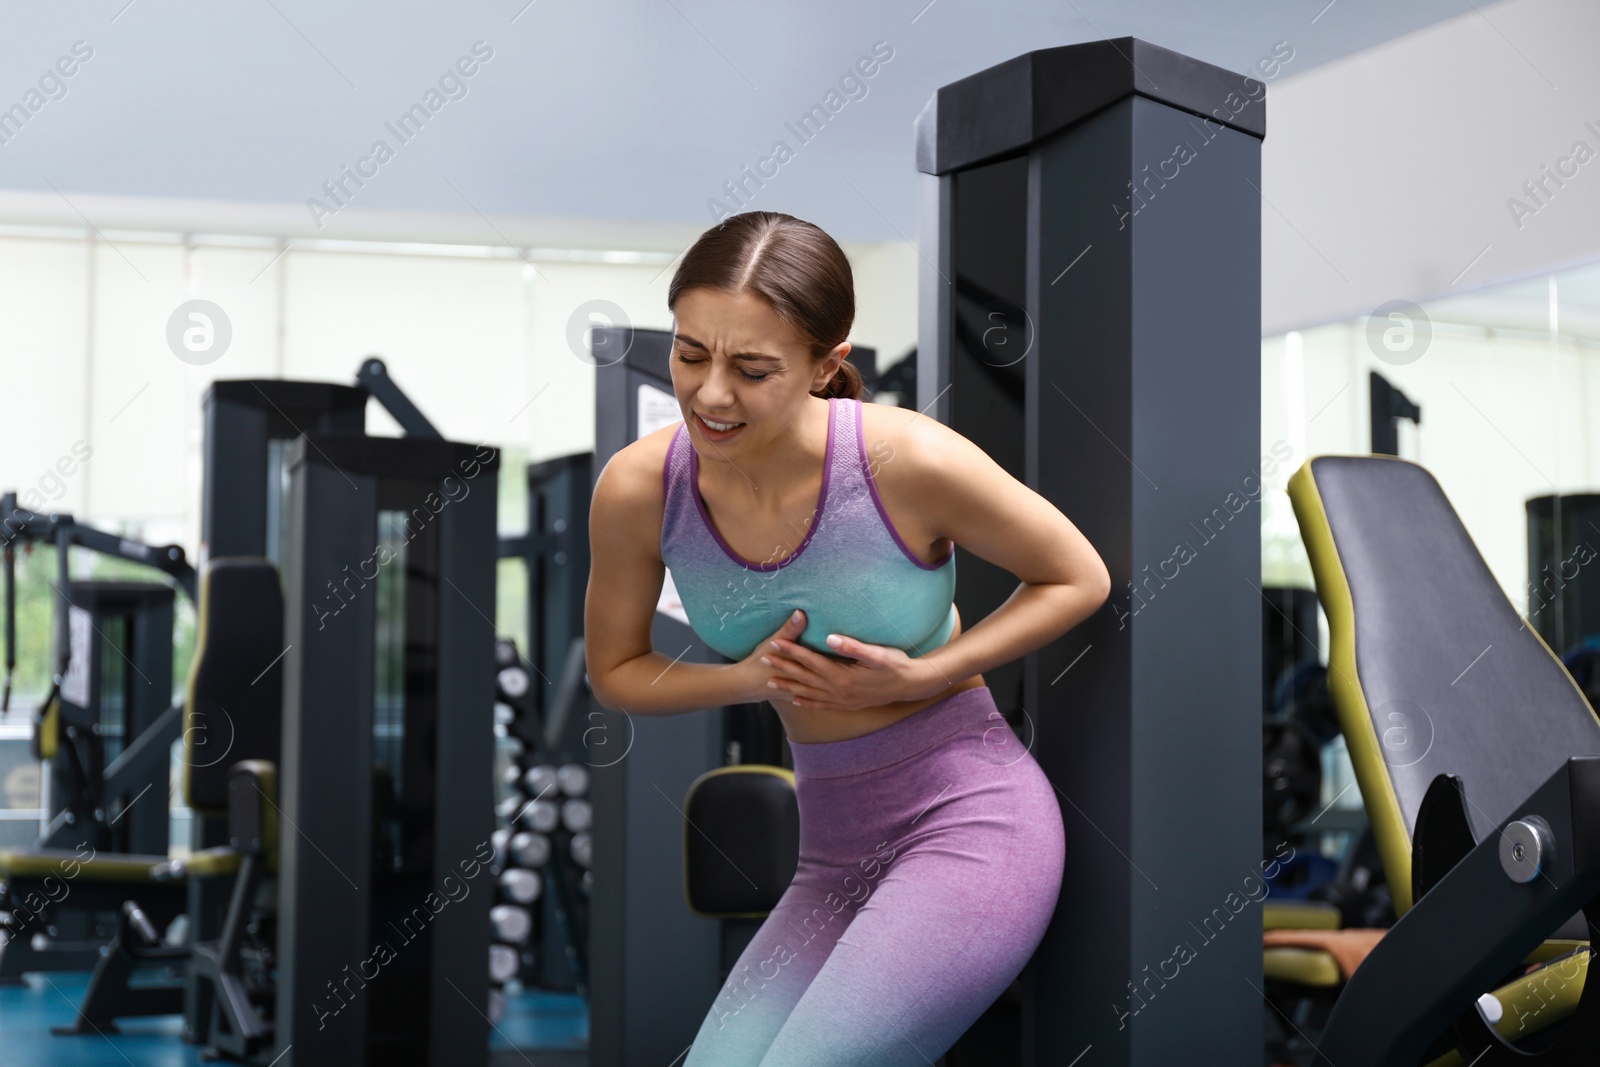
(930, 862)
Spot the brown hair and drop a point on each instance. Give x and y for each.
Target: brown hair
(792, 265)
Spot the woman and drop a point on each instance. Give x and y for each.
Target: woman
(811, 538)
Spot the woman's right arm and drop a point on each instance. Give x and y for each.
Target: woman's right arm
(625, 576)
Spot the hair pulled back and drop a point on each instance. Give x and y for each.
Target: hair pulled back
(792, 265)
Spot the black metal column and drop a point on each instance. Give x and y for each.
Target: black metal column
(462, 797)
(384, 886)
(149, 696)
(246, 425)
(1091, 316)
(242, 418)
(558, 567)
(325, 870)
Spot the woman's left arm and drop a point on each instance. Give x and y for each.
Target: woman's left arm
(976, 503)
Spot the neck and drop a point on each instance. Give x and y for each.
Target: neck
(795, 458)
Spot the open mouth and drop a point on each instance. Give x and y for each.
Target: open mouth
(717, 429)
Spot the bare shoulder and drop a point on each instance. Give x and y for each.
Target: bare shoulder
(939, 486)
(909, 449)
(630, 489)
(923, 470)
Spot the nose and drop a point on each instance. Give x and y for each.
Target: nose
(717, 389)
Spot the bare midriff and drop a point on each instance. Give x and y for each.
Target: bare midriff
(814, 725)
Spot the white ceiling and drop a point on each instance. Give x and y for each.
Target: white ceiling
(623, 110)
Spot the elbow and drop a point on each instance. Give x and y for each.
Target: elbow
(1100, 588)
(595, 682)
(1090, 591)
(602, 693)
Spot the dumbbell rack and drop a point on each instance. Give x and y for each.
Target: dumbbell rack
(541, 844)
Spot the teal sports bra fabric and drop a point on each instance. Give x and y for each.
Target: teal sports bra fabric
(852, 574)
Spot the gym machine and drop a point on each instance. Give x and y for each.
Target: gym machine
(376, 947)
(248, 424)
(1090, 317)
(254, 436)
(414, 702)
(249, 429)
(1482, 787)
(104, 731)
(1010, 207)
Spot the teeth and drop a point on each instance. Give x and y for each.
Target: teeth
(720, 426)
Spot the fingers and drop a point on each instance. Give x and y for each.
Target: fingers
(849, 646)
(815, 662)
(789, 667)
(800, 692)
(793, 626)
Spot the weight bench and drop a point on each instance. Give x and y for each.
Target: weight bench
(1478, 759)
(54, 889)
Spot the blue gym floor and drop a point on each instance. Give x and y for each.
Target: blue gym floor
(534, 1021)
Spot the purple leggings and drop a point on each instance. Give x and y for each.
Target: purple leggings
(930, 862)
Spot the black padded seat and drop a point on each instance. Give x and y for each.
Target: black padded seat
(234, 706)
(741, 840)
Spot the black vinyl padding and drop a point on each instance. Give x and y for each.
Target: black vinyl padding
(236, 688)
(1454, 680)
(742, 842)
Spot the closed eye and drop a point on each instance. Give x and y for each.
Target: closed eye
(752, 377)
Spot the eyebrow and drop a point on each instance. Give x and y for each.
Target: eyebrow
(686, 339)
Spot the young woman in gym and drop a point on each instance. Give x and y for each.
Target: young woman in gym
(811, 538)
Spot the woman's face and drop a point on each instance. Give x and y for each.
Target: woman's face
(738, 365)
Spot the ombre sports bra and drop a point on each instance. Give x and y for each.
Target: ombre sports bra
(851, 575)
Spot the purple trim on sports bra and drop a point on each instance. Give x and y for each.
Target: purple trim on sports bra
(822, 500)
(866, 469)
(666, 465)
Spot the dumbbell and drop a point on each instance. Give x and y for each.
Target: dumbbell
(577, 815)
(530, 849)
(573, 778)
(508, 808)
(499, 839)
(582, 849)
(511, 923)
(541, 780)
(504, 963)
(514, 682)
(497, 1006)
(521, 885)
(542, 816)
